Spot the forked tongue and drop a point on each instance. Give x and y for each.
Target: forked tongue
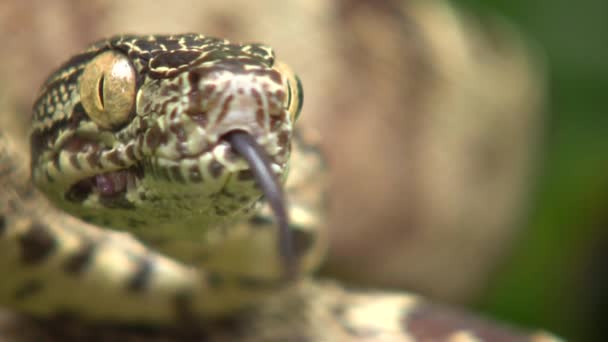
(259, 164)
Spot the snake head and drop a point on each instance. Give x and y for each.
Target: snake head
(181, 130)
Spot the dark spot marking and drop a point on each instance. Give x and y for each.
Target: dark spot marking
(245, 175)
(303, 240)
(257, 96)
(28, 289)
(2, 224)
(280, 94)
(78, 262)
(261, 221)
(194, 78)
(36, 244)
(141, 278)
(216, 169)
(275, 76)
(176, 174)
(195, 174)
(80, 191)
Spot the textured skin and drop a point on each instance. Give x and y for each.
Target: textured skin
(321, 314)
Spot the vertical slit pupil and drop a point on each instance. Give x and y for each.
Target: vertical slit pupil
(100, 89)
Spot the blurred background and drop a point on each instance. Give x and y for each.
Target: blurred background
(467, 143)
(556, 274)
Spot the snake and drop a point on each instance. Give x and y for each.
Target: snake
(170, 182)
(183, 141)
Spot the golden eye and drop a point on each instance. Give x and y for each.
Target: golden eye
(295, 94)
(107, 89)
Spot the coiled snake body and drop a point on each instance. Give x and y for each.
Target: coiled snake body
(175, 139)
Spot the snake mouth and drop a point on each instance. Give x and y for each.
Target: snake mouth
(107, 185)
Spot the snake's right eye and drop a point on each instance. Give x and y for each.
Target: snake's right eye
(107, 89)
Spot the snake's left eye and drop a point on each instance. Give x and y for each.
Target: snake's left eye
(107, 89)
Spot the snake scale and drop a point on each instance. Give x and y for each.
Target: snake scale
(151, 135)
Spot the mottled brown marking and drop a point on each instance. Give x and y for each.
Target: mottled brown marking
(280, 95)
(94, 157)
(257, 96)
(37, 244)
(225, 107)
(179, 131)
(154, 137)
(114, 158)
(74, 162)
(260, 117)
(173, 114)
(283, 138)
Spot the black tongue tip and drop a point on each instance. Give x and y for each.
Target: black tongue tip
(259, 164)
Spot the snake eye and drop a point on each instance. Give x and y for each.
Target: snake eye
(297, 97)
(107, 89)
(295, 93)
